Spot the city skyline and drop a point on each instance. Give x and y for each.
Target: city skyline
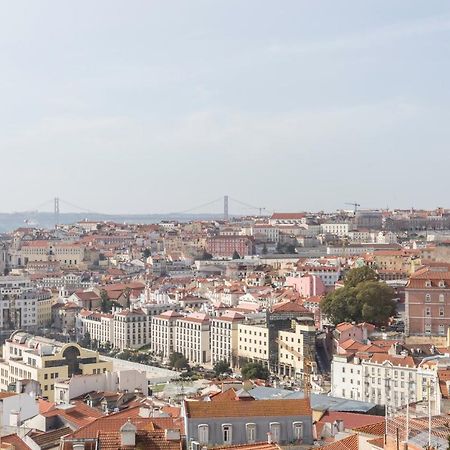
(152, 108)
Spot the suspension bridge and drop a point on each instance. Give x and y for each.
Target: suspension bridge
(229, 206)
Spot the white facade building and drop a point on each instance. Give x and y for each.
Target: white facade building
(224, 337)
(336, 229)
(192, 337)
(163, 333)
(384, 379)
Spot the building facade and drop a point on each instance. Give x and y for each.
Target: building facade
(427, 301)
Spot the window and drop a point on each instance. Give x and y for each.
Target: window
(227, 433)
(441, 312)
(275, 429)
(427, 298)
(250, 429)
(297, 429)
(428, 328)
(442, 330)
(428, 311)
(441, 298)
(203, 434)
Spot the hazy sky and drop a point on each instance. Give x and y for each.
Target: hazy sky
(157, 106)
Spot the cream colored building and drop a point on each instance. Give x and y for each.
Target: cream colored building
(33, 357)
(100, 326)
(131, 329)
(192, 334)
(224, 337)
(44, 311)
(163, 333)
(296, 348)
(67, 254)
(253, 342)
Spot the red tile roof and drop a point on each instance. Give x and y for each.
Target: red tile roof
(348, 443)
(377, 429)
(15, 441)
(252, 408)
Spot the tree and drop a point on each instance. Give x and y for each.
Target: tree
(206, 256)
(360, 274)
(221, 367)
(106, 305)
(85, 341)
(236, 255)
(147, 252)
(178, 361)
(127, 295)
(254, 370)
(368, 301)
(264, 249)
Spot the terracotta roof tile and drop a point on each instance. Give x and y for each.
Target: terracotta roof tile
(253, 408)
(377, 429)
(348, 443)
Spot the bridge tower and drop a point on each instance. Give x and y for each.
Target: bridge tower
(225, 208)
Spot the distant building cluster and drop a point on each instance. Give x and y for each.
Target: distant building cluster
(139, 336)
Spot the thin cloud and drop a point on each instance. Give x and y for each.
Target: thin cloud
(370, 38)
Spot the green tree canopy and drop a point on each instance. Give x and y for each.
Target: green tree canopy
(236, 255)
(254, 370)
(367, 301)
(221, 367)
(178, 361)
(360, 274)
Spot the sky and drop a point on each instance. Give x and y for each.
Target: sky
(137, 106)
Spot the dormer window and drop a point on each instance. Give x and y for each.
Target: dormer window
(428, 283)
(442, 284)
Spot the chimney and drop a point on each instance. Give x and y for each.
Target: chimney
(128, 434)
(172, 434)
(78, 445)
(269, 437)
(14, 419)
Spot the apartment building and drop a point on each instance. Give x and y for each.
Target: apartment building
(244, 420)
(100, 326)
(427, 301)
(131, 329)
(33, 357)
(296, 348)
(163, 333)
(192, 337)
(265, 233)
(124, 329)
(393, 378)
(253, 341)
(336, 229)
(44, 311)
(225, 246)
(18, 303)
(327, 273)
(224, 337)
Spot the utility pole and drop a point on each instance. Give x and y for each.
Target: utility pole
(225, 208)
(56, 211)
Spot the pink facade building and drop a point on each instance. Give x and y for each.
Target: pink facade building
(307, 285)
